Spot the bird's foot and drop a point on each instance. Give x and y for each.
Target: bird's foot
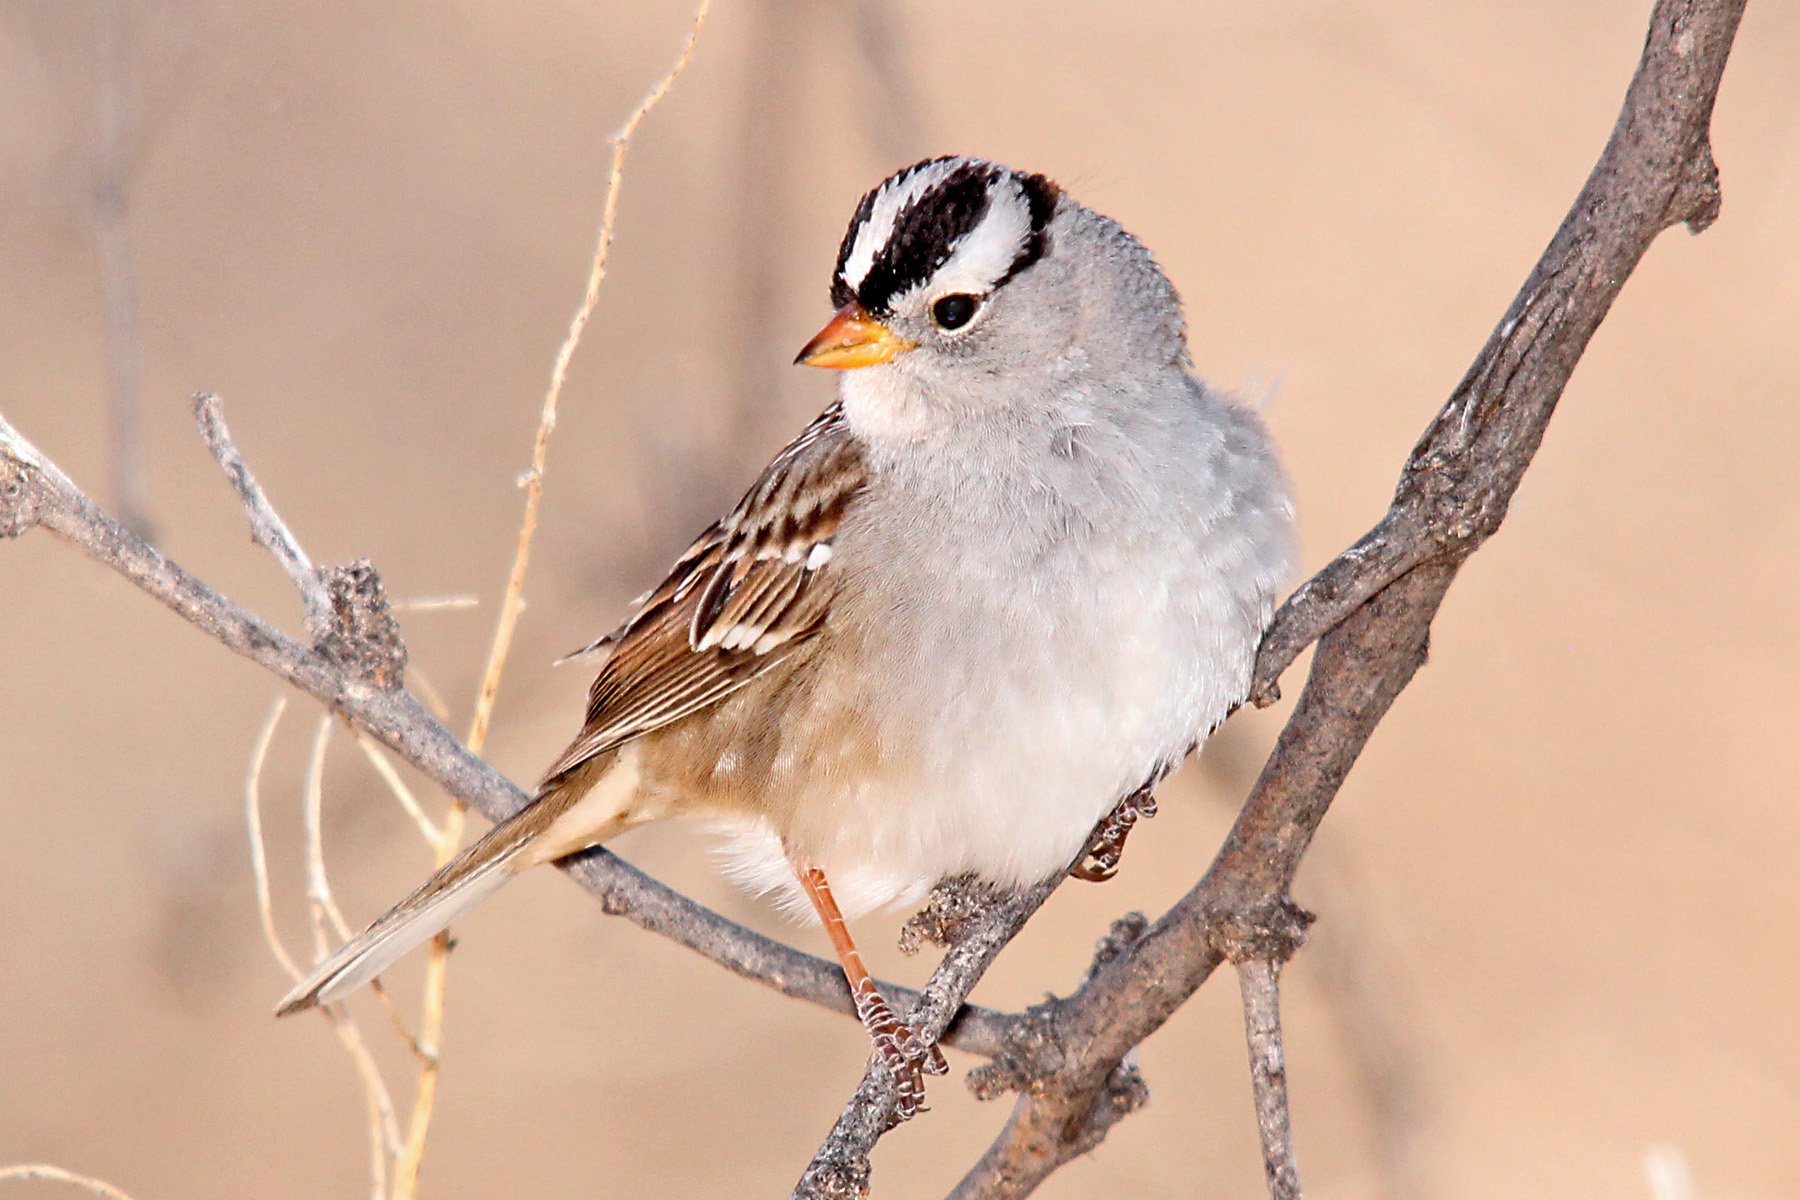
(909, 1056)
(1106, 846)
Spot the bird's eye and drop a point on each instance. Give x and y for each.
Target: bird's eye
(953, 312)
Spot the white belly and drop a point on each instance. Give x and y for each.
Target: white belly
(1017, 717)
(1044, 637)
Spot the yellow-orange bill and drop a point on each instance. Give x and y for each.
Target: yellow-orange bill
(852, 338)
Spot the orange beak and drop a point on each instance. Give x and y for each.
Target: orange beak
(852, 338)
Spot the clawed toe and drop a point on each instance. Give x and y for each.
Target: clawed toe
(1106, 846)
(910, 1058)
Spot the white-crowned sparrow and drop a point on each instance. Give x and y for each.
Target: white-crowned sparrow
(1008, 580)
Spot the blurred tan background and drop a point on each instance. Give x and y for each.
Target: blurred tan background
(1557, 952)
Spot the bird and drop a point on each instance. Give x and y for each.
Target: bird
(961, 625)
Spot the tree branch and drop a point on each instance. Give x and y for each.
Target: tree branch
(1377, 601)
(1371, 610)
(841, 1167)
(34, 491)
(1259, 983)
(266, 525)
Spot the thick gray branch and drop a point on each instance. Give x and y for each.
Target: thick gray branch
(1378, 601)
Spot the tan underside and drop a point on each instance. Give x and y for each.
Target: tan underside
(611, 806)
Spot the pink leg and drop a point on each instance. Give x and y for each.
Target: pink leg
(908, 1056)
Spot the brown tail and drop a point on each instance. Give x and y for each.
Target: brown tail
(453, 890)
(569, 813)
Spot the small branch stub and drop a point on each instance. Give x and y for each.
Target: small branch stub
(1270, 935)
(18, 497)
(364, 637)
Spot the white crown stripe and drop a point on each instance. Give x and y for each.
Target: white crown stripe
(894, 198)
(980, 257)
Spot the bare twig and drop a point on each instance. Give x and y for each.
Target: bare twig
(266, 525)
(428, 692)
(384, 1127)
(53, 1174)
(421, 604)
(1259, 982)
(322, 904)
(534, 477)
(409, 803)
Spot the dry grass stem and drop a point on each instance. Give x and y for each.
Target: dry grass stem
(259, 858)
(384, 1125)
(512, 604)
(422, 604)
(323, 903)
(378, 1104)
(318, 888)
(403, 795)
(428, 692)
(533, 479)
(50, 1174)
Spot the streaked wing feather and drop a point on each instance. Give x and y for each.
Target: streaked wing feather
(746, 594)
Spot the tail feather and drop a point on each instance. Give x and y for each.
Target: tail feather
(453, 890)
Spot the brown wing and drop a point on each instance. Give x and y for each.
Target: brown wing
(747, 593)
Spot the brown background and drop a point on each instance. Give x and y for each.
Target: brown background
(1558, 896)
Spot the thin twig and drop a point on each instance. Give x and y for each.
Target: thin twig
(384, 1126)
(425, 604)
(431, 1029)
(1259, 982)
(53, 1174)
(378, 1104)
(533, 479)
(428, 692)
(322, 903)
(259, 858)
(266, 525)
(318, 888)
(402, 794)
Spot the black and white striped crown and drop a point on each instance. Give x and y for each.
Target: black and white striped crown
(958, 224)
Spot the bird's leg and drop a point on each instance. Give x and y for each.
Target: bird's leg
(1107, 843)
(906, 1054)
